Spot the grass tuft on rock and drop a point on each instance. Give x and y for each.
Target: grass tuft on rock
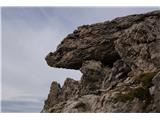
(145, 79)
(142, 92)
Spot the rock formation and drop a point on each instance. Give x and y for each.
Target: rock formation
(120, 63)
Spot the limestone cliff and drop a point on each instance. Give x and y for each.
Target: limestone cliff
(120, 63)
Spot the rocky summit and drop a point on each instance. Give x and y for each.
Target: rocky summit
(120, 65)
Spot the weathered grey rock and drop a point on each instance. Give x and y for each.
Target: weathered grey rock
(89, 42)
(119, 61)
(55, 91)
(118, 73)
(156, 92)
(139, 45)
(70, 89)
(94, 73)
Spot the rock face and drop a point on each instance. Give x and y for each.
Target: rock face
(120, 63)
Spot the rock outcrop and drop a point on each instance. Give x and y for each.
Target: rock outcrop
(120, 65)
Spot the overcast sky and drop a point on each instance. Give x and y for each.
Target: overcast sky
(28, 35)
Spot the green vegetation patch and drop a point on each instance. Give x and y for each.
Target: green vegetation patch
(145, 79)
(142, 92)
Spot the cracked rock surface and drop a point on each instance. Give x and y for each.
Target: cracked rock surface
(120, 65)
